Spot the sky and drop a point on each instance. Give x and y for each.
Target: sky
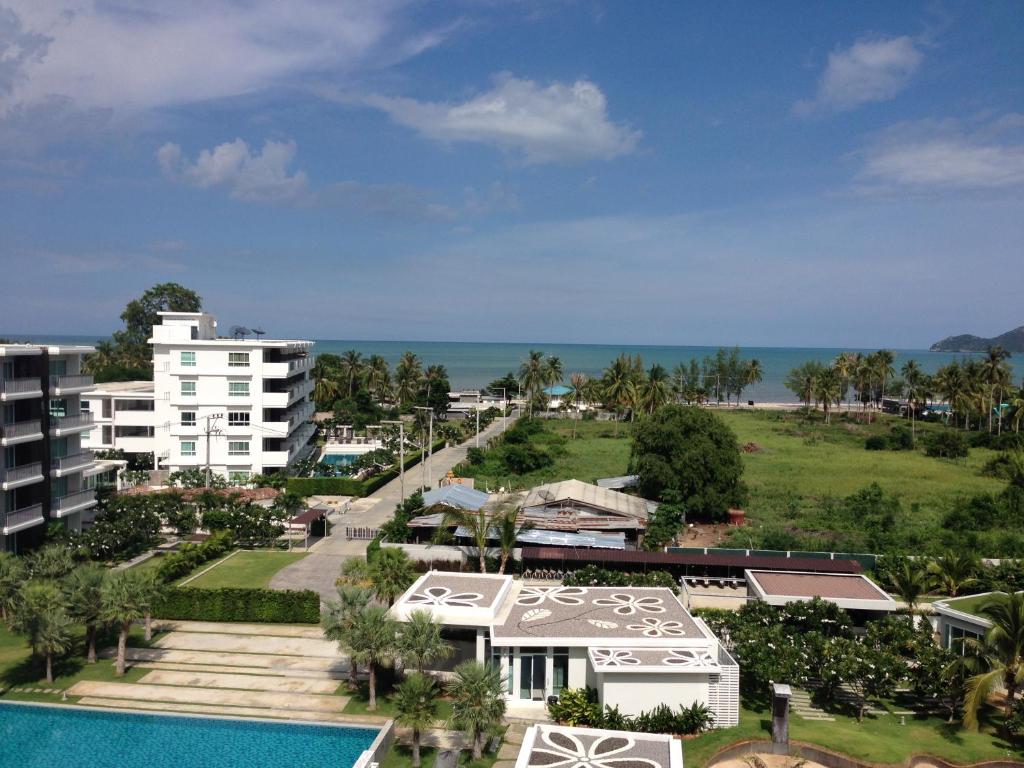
(761, 174)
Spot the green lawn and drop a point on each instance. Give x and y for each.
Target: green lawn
(879, 739)
(400, 756)
(357, 705)
(969, 604)
(244, 569)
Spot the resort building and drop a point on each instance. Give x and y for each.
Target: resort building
(558, 746)
(636, 646)
(855, 593)
(240, 406)
(124, 418)
(958, 618)
(43, 462)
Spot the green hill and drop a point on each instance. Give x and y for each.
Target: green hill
(1011, 341)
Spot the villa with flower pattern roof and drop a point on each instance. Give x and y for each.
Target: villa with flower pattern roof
(637, 646)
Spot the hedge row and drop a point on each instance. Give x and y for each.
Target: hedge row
(245, 605)
(347, 486)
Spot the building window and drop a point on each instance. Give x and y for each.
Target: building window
(188, 389)
(86, 407)
(238, 477)
(238, 448)
(188, 447)
(188, 418)
(238, 359)
(238, 418)
(188, 359)
(560, 670)
(58, 408)
(238, 389)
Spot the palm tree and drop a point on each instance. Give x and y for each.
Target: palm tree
(553, 370)
(915, 380)
(846, 364)
(955, 570)
(478, 703)
(378, 377)
(911, 580)
(882, 364)
(351, 369)
(408, 376)
(371, 641)
(1017, 403)
(339, 618)
(618, 385)
(83, 593)
(52, 561)
(124, 601)
(655, 391)
(152, 589)
(753, 374)
(827, 389)
(415, 702)
(576, 396)
(42, 617)
(864, 376)
(12, 574)
(507, 528)
(479, 526)
(533, 375)
(420, 641)
(1001, 652)
(391, 573)
(994, 376)
(325, 390)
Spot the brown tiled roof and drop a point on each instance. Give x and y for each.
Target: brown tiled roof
(246, 494)
(561, 556)
(848, 587)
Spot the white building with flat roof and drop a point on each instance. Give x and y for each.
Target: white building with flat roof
(124, 417)
(42, 461)
(243, 405)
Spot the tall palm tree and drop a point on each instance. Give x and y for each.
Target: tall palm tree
(828, 389)
(12, 574)
(51, 561)
(553, 370)
(845, 365)
(863, 376)
(1017, 404)
(883, 361)
(391, 573)
(83, 593)
(955, 570)
(351, 369)
(415, 702)
(408, 376)
(339, 618)
(478, 703)
(533, 375)
(576, 396)
(420, 642)
(915, 381)
(618, 385)
(42, 617)
(124, 602)
(753, 373)
(994, 376)
(479, 526)
(153, 588)
(655, 391)
(378, 377)
(372, 641)
(508, 529)
(911, 580)
(1001, 653)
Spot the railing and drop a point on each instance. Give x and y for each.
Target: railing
(21, 429)
(81, 459)
(71, 422)
(24, 472)
(361, 533)
(74, 499)
(71, 382)
(20, 386)
(21, 516)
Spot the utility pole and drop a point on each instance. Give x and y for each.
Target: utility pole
(211, 429)
(504, 407)
(477, 427)
(401, 452)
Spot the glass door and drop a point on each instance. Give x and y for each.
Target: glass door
(531, 675)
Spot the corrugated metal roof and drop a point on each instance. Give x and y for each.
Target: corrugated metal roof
(459, 496)
(557, 539)
(672, 559)
(615, 483)
(591, 495)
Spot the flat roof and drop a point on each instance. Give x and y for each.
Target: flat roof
(554, 746)
(460, 599)
(16, 350)
(852, 591)
(135, 388)
(682, 559)
(660, 660)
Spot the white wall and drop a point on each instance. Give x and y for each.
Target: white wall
(638, 692)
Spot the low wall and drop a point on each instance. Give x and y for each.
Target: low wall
(374, 754)
(832, 759)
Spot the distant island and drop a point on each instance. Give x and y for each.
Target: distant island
(1011, 341)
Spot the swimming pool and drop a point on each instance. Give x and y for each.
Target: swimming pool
(58, 736)
(338, 460)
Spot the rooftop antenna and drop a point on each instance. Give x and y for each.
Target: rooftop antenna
(239, 332)
(259, 332)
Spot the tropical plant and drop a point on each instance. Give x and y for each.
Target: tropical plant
(340, 616)
(372, 641)
(955, 570)
(828, 389)
(152, 588)
(124, 602)
(42, 617)
(801, 380)
(655, 390)
(415, 702)
(420, 642)
(479, 526)
(83, 594)
(478, 702)
(911, 580)
(51, 561)
(391, 573)
(12, 574)
(1001, 654)
(533, 375)
(507, 529)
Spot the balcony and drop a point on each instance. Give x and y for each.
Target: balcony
(74, 502)
(21, 432)
(70, 385)
(20, 519)
(76, 462)
(20, 389)
(26, 474)
(68, 425)
(286, 368)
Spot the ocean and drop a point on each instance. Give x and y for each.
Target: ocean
(472, 365)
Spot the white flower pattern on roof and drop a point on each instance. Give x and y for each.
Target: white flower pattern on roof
(627, 605)
(682, 657)
(445, 596)
(652, 627)
(614, 657)
(568, 751)
(560, 595)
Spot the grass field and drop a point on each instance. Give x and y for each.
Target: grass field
(357, 705)
(243, 569)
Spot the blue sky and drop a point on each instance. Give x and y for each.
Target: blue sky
(807, 174)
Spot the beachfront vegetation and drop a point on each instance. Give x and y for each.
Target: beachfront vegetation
(362, 391)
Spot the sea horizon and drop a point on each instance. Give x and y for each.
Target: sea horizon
(474, 364)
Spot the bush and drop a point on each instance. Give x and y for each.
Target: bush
(946, 444)
(476, 456)
(876, 443)
(520, 459)
(579, 707)
(243, 605)
(191, 556)
(901, 439)
(592, 576)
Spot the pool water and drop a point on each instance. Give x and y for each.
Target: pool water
(338, 460)
(65, 737)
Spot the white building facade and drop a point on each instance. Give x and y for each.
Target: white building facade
(42, 462)
(123, 416)
(241, 406)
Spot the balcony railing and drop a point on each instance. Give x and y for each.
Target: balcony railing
(24, 472)
(21, 429)
(76, 381)
(72, 500)
(75, 460)
(20, 386)
(26, 515)
(71, 422)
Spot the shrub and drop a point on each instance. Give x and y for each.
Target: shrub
(520, 459)
(592, 576)
(579, 707)
(946, 444)
(576, 707)
(901, 439)
(476, 456)
(243, 605)
(876, 443)
(191, 556)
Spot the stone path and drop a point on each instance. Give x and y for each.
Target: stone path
(235, 643)
(250, 663)
(511, 745)
(243, 682)
(134, 692)
(802, 705)
(227, 628)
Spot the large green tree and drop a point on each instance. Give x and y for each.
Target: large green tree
(416, 708)
(372, 641)
(42, 617)
(478, 703)
(83, 591)
(691, 451)
(420, 642)
(1001, 653)
(124, 601)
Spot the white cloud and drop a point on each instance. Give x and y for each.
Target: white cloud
(262, 176)
(941, 156)
(560, 122)
(872, 69)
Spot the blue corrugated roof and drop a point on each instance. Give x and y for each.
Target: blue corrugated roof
(561, 538)
(459, 496)
(557, 390)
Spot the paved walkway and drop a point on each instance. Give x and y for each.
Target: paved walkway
(322, 566)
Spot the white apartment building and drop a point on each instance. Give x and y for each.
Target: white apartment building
(124, 418)
(43, 465)
(243, 405)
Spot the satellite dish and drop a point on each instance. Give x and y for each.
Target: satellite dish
(239, 331)
(259, 332)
